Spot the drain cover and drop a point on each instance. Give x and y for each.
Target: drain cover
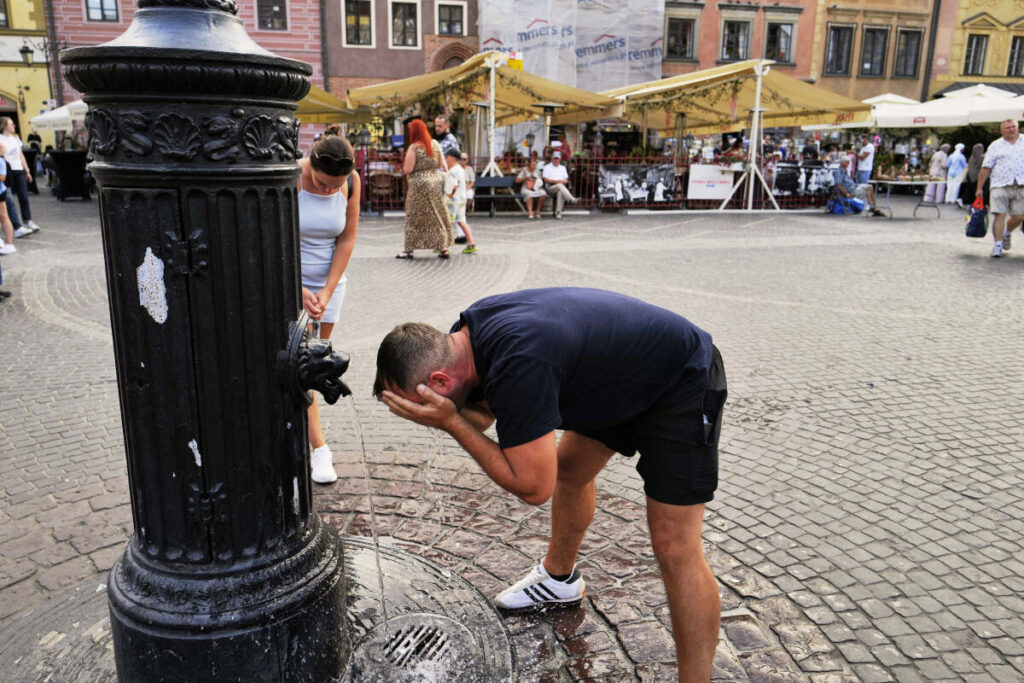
(418, 647)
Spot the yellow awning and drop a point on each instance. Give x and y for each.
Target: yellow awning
(460, 86)
(720, 99)
(320, 106)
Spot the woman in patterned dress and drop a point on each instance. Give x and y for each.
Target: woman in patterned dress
(426, 217)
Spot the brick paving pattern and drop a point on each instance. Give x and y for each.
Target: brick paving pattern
(868, 524)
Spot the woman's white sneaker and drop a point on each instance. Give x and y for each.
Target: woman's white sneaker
(539, 590)
(323, 465)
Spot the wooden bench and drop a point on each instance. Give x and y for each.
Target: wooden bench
(487, 189)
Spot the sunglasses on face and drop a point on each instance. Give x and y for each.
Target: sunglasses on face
(344, 164)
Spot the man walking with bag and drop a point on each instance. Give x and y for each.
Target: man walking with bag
(1004, 163)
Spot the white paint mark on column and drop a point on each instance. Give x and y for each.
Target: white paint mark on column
(195, 451)
(295, 494)
(152, 292)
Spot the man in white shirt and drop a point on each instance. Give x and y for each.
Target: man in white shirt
(556, 181)
(865, 162)
(1004, 165)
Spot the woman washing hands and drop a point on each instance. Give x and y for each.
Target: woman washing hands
(328, 222)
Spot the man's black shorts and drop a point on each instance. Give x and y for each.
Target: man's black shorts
(678, 447)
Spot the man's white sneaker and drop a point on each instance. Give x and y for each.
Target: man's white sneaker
(323, 465)
(997, 251)
(1006, 241)
(32, 226)
(23, 231)
(8, 249)
(538, 590)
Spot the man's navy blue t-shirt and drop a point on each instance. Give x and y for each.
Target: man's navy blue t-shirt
(579, 359)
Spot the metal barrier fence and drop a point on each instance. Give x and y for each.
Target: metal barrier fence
(609, 183)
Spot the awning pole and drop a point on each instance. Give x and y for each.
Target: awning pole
(491, 169)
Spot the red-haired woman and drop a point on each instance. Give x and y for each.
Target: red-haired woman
(426, 217)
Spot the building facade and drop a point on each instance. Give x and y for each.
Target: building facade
(700, 35)
(24, 90)
(289, 28)
(979, 41)
(372, 41)
(865, 48)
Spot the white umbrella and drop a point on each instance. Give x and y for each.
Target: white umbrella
(890, 98)
(61, 118)
(956, 108)
(997, 112)
(980, 90)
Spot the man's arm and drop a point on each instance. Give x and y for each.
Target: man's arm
(527, 471)
(479, 415)
(982, 177)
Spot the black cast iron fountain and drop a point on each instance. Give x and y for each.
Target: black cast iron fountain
(229, 575)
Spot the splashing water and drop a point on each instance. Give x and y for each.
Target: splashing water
(430, 466)
(373, 513)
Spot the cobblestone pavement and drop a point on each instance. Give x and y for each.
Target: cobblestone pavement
(869, 521)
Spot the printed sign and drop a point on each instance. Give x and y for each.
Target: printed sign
(636, 184)
(709, 181)
(591, 44)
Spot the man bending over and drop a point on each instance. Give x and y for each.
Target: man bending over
(618, 375)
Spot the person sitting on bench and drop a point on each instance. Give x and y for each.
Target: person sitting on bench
(847, 188)
(532, 189)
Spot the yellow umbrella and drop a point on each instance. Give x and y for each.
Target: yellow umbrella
(320, 106)
(514, 91)
(720, 99)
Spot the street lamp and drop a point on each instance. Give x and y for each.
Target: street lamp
(48, 48)
(530, 137)
(28, 55)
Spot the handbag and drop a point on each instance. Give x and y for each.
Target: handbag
(977, 219)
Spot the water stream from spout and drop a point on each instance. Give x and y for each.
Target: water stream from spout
(373, 513)
(430, 468)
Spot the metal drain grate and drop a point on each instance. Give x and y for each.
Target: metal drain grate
(419, 647)
(417, 643)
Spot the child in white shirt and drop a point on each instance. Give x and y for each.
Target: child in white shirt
(455, 197)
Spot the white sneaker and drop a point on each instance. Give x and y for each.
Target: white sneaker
(32, 226)
(538, 590)
(323, 465)
(8, 249)
(23, 231)
(997, 250)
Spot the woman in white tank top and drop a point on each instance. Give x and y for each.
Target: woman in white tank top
(328, 222)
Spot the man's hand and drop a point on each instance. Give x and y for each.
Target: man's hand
(435, 411)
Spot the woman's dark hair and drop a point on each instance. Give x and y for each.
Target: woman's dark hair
(332, 155)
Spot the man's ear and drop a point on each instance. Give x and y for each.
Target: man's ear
(439, 381)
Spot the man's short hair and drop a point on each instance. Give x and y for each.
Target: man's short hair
(453, 152)
(556, 155)
(442, 117)
(845, 159)
(464, 156)
(407, 356)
